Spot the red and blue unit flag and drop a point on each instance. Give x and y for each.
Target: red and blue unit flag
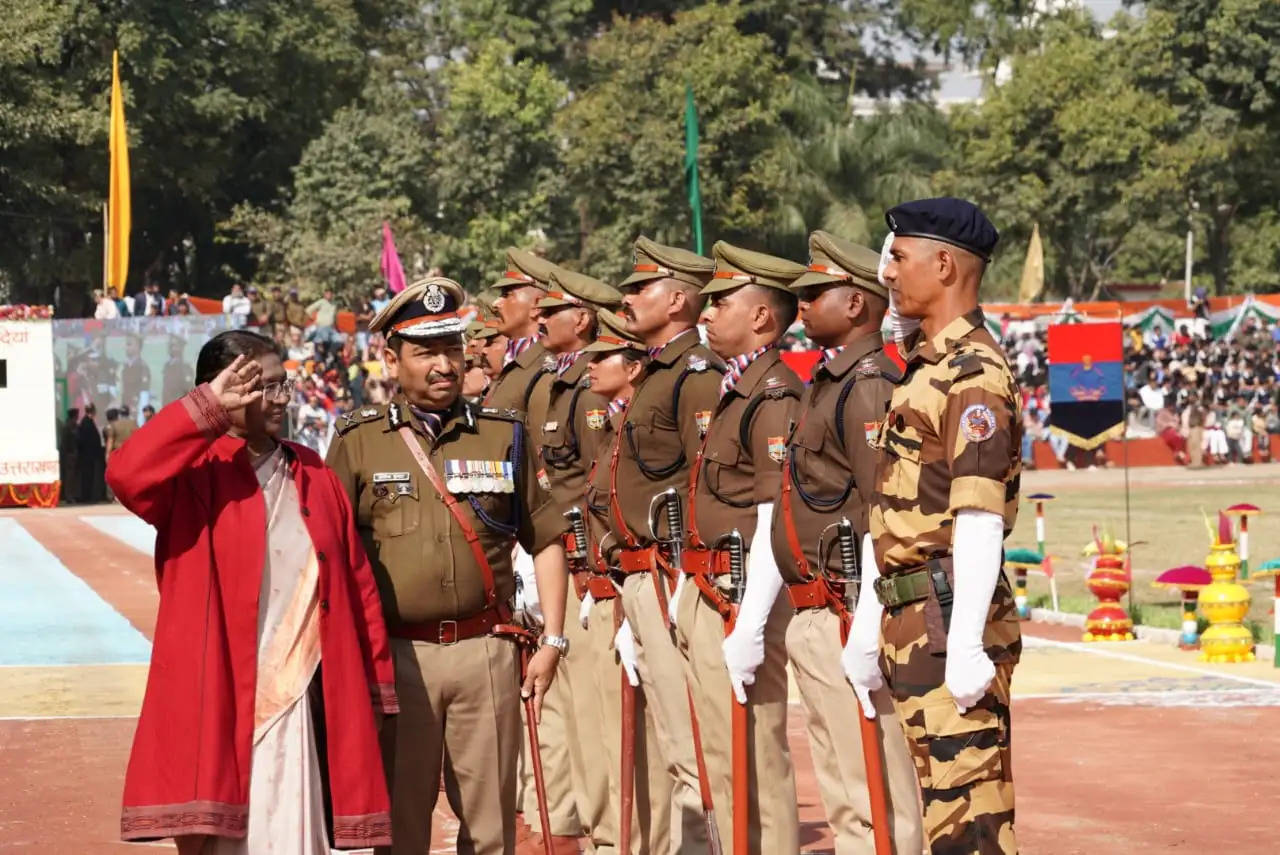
(1086, 382)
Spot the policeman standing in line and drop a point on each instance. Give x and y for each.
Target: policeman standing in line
(947, 487)
(569, 432)
(617, 364)
(659, 437)
(523, 284)
(829, 476)
(442, 489)
(521, 385)
(735, 481)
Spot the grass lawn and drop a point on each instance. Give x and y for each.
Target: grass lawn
(1166, 516)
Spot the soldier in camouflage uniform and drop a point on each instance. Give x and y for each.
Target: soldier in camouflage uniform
(948, 495)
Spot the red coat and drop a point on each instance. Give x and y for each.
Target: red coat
(189, 770)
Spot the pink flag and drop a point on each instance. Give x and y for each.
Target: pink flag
(391, 269)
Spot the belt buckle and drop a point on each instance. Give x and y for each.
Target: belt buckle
(441, 633)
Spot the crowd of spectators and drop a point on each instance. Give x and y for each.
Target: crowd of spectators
(334, 372)
(148, 302)
(1212, 401)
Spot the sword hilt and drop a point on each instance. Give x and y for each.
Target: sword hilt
(674, 541)
(737, 567)
(848, 550)
(578, 525)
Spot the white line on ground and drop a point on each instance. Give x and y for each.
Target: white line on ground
(1110, 653)
(63, 717)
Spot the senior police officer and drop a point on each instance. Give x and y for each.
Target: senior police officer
(829, 476)
(735, 480)
(659, 437)
(441, 489)
(948, 495)
(567, 424)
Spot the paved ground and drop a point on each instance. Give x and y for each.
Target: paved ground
(1128, 747)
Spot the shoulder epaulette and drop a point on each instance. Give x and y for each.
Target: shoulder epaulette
(506, 413)
(355, 418)
(966, 363)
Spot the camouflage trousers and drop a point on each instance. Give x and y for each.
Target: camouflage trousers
(963, 761)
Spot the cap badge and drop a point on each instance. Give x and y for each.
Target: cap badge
(434, 298)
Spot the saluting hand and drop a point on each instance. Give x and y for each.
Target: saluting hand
(538, 677)
(239, 384)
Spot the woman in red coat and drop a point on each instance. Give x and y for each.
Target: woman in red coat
(270, 670)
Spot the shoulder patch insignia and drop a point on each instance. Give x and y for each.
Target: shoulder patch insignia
(697, 363)
(703, 420)
(870, 429)
(596, 419)
(777, 448)
(977, 423)
(543, 481)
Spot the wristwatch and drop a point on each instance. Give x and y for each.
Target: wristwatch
(559, 642)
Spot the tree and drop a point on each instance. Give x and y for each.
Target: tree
(623, 136)
(366, 167)
(220, 98)
(1062, 143)
(496, 164)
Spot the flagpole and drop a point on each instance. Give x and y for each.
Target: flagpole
(691, 166)
(1124, 442)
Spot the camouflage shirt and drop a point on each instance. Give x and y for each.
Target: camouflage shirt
(952, 440)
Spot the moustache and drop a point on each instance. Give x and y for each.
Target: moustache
(437, 377)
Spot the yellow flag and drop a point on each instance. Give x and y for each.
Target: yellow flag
(119, 216)
(1032, 269)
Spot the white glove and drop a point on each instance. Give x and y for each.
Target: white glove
(744, 648)
(902, 327)
(673, 604)
(861, 656)
(584, 611)
(527, 599)
(625, 643)
(975, 548)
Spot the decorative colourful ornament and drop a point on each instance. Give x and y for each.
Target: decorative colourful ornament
(1108, 581)
(1189, 581)
(1020, 561)
(1272, 569)
(1040, 499)
(1224, 602)
(1244, 511)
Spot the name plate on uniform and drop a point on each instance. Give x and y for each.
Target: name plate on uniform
(479, 476)
(390, 477)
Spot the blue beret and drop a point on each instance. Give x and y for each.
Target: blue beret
(954, 221)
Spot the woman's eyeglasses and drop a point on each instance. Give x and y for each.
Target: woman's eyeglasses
(277, 391)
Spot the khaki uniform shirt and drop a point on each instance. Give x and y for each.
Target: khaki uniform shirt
(514, 386)
(296, 314)
(596, 501)
(277, 310)
(831, 477)
(424, 568)
(657, 444)
(734, 478)
(121, 430)
(259, 312)
(952, 440)
(571, 435)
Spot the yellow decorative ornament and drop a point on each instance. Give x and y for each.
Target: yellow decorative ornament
(1224, 602)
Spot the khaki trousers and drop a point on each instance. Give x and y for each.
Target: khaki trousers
(556, 741)
(775, 826)
(662, 676)
(651, 812)
(813, 645)
(458, 714)
(582, 672)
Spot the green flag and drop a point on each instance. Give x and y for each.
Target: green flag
(691, 166)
